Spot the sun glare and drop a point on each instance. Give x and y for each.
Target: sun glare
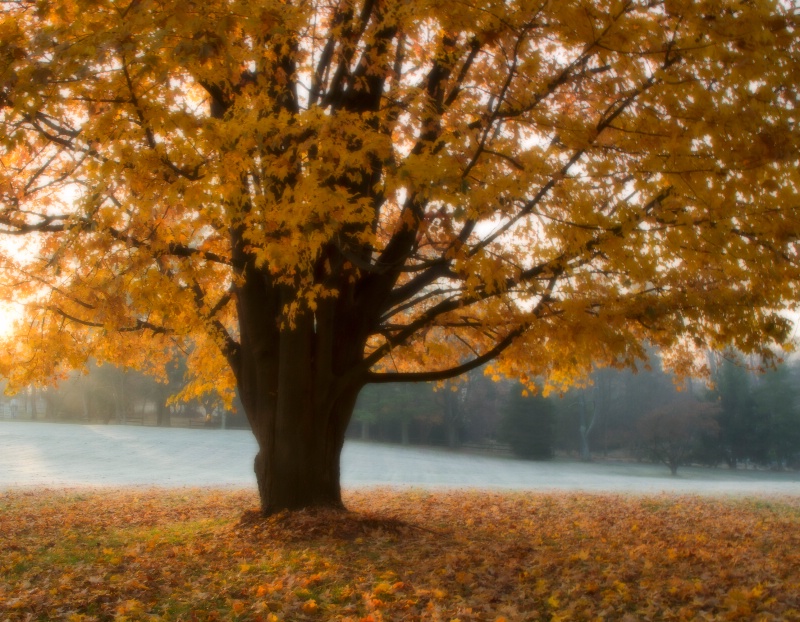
(9, 313)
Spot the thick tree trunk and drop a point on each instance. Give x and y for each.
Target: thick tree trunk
(299, 397)
(300, 441)
(297, 465)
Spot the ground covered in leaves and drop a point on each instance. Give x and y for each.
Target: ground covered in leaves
(411, 555)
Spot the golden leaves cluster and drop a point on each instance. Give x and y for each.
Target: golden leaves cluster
(600, 172)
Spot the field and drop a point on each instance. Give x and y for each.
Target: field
(205, 554)
(53, 455)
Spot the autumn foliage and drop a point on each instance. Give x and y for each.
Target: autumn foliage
(413, 555)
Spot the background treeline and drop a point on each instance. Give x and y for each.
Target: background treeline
(109, 394)
(744, 419)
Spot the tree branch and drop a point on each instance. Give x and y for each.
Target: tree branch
(445, 374)
(139, 326)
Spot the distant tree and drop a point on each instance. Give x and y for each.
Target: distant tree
(578, 413)
(643, 390)
(604, 413)
(744, 431)
(482, 407)
(167, 387)
(469, 406)
(397, 405)
(775, 398)
(449, 413)
(452, 399)
(528, 426)
(671, 432)
(595, 404)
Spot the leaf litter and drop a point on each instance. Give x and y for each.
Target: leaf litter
(206, 554)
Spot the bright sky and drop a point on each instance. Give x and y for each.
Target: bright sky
(8, 313)
(13, 247)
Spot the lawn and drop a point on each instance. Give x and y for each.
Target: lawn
(197, 554)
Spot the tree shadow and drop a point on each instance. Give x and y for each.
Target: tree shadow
(316, 523)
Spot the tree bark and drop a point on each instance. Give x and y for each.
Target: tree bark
(298, 463)
(300, 436)
(298, 392)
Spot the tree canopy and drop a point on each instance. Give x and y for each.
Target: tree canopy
(398, 190)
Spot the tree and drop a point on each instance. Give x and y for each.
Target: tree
(776, 402)
(453, 399)
(529, 426)
(480, 409)
(594, 403)
(744, 434)
(397, 404)
(608, 409)
(671, 432)
(324, 195)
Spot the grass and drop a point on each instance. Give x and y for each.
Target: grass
(412, 555)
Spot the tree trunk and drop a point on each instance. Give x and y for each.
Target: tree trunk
(297, 466)
(33, 403)
(50, 407)
(162, 410)
(586, 453)
(453, 438)
(85, 402)
(586, 427)
(299, 397)
(120, 397)
(300, 438)
(452, 409)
